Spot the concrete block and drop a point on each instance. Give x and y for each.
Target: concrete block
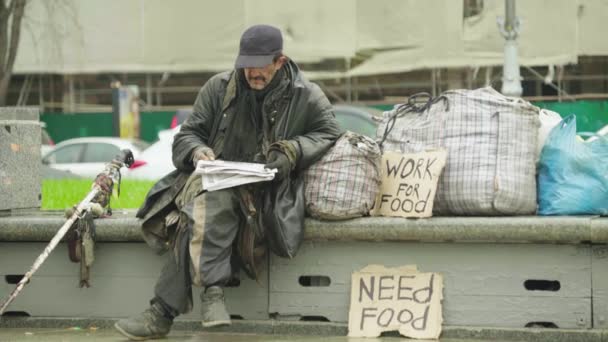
(498, 285)
(122, 283)
(20, 166)
(20, 113)
(599, 267)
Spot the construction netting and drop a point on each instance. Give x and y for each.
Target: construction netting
(72, 36)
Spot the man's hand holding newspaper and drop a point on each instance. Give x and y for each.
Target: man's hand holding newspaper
(221, 174)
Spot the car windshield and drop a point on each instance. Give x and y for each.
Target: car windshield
(65, 155)
(99, 152)
(356, 119)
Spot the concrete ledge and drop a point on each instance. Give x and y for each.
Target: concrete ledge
(124, 227)
(599, 229)
(276, 327)
(521, 229)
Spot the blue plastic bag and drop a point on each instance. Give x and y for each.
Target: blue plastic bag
(572, 174)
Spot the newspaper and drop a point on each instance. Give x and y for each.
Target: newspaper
(221, 174)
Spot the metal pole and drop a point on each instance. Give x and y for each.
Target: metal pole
(488, 77)
(560, 75)
(40, 93)
(433, 82)
(52, 86)
(509, 14)
(561, 93)
(71, 96)
(148, 90)
(509, 27)
(81, 99)
(349, 85)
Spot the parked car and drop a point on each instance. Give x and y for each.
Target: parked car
(358, 119)
(46, 143)
(87, 156)
(155, 162)
(180, 116)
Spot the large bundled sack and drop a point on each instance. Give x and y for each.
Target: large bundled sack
(344, 183)
(573, 174)
(491, 142)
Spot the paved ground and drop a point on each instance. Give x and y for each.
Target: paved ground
(107, 335)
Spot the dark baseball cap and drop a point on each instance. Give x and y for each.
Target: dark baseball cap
(259, 45)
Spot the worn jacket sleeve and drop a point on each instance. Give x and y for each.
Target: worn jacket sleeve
(321, 131)
(196, 130)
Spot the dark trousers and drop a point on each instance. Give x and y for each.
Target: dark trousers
(209, 223)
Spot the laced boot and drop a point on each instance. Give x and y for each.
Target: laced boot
(214, 310)
(153, 323)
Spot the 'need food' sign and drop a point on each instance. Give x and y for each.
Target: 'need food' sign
(409, 183)
(386, 299)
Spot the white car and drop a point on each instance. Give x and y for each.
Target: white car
(46, 143)
(87, 157)
(155, 162)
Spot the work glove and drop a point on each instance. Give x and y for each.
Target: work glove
(278, 160)
(202, 153)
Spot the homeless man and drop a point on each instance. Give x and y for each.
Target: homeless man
(262, 111)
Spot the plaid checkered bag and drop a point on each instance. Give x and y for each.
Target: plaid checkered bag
(344, 183)
(491, 142)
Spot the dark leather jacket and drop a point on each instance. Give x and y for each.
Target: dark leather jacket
(305, 120)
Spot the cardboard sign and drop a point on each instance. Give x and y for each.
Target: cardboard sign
(385, 299)
(409, 183)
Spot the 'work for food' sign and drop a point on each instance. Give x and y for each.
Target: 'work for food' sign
(386, 299)
(409, 183)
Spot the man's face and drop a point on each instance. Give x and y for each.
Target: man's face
(259, 78)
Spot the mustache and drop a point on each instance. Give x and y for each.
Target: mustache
(258, 78)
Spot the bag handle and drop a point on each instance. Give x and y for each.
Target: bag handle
(413, 105)
(567, 121)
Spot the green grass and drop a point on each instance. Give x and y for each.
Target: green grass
(64, 193)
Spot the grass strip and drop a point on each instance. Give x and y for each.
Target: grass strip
(64, 193)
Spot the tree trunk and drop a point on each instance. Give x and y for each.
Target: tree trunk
(4, 83)
(13, 13)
